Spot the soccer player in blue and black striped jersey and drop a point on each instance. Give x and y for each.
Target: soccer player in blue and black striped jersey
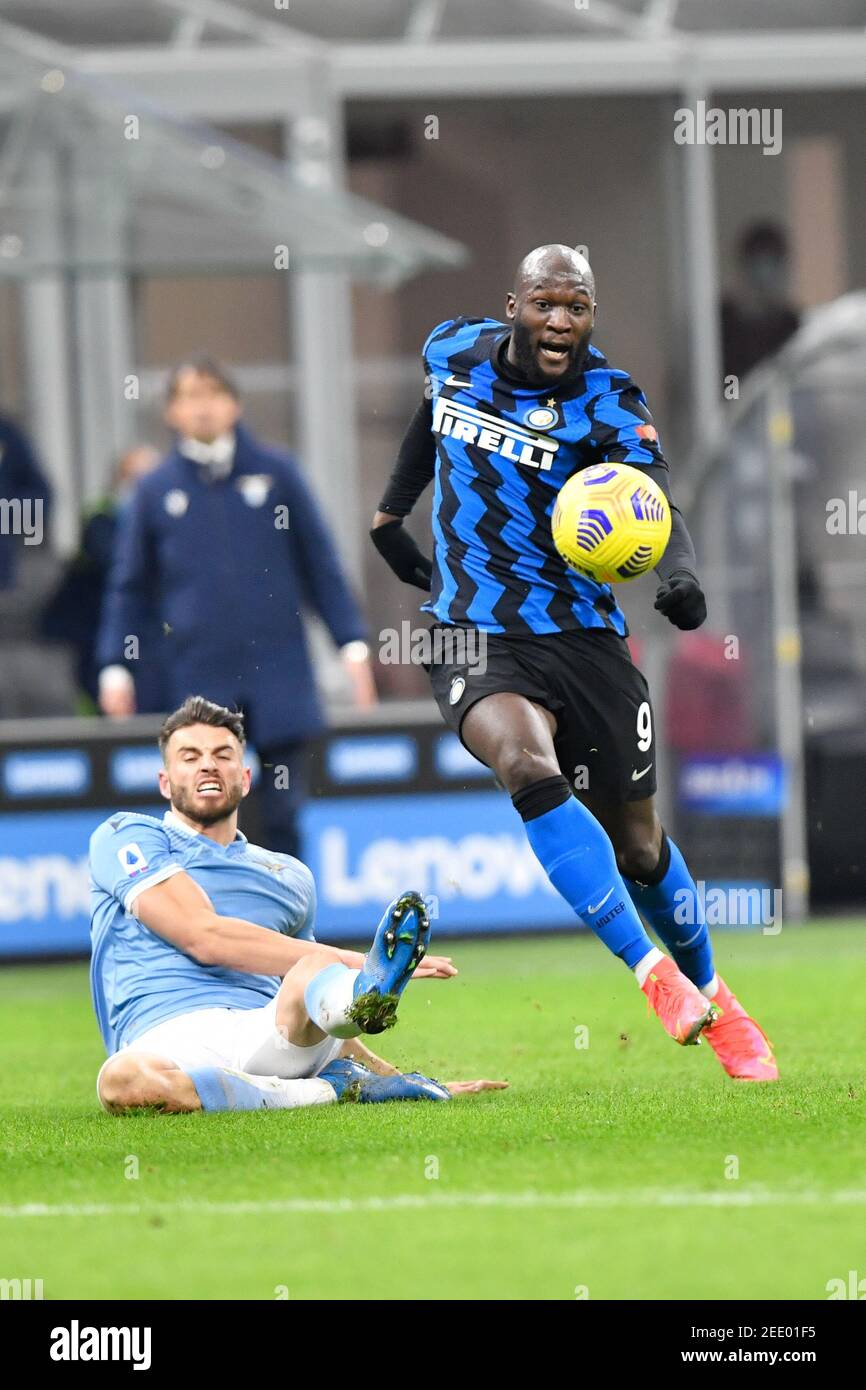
(536, 675)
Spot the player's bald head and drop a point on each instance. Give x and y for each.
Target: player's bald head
(553, 264)
(552, 314)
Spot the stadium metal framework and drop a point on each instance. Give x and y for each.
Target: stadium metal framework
(300, 63)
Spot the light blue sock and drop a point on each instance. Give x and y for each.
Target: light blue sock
(579, 860)
(327, 998)
(221, 1089)
(675, 913)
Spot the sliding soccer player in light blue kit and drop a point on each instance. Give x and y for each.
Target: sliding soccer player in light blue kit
(210, 990)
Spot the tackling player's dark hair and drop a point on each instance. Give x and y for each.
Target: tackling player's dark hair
(197, 710)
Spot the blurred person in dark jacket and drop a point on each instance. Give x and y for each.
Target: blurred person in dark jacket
(226, 538)
(758, 319)
(72, 614)
(25, 497)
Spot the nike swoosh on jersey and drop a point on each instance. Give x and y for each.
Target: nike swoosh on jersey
(591, 908)
(636, 776)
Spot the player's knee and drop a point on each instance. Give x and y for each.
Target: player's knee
(130, 1082)
(117, 1082)
(518, 767)
(638, 859)
(309, 965)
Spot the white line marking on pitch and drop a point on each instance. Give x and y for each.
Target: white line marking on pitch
(409, 1201)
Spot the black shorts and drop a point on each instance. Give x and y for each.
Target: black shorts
(605, 735)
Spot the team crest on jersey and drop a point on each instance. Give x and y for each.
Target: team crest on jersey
(458, 685)
(541, 417)
(494, 434)
(254, 488)
(132, 859)
(176, 502)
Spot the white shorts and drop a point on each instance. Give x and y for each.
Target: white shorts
(241, 1039)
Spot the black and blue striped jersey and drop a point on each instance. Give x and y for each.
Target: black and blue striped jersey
(503, 451)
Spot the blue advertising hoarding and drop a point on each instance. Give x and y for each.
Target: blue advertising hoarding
(44, 893)
(389, 810)
(36, 773)
(748, 784)
(465, 851)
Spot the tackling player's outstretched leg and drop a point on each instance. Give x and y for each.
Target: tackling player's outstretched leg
(345, 1002)
(303, 1050)
(201, 1008)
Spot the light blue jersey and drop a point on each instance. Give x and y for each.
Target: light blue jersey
(139, 979)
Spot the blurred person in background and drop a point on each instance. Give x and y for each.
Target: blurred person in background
(25, 494)
(225, 538)
(33, 680)
(72, 613)
(758, 318)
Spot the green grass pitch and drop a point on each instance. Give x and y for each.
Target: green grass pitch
(605, 1171)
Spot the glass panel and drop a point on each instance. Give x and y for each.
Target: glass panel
(96, 180)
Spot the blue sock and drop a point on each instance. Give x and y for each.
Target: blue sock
(579, 860)
(221, 1089)
(676, 897)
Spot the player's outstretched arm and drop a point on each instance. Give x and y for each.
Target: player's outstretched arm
(435, 968)
(358, 1052)
(354, 1048)
(624, 433)
(471, 1088)
(180, 910)
(680, 596)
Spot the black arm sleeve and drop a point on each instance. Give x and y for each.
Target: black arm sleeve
(679, 555)
(415, 466)
(680, 551)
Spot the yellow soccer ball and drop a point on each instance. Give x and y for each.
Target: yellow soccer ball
(611, 522)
